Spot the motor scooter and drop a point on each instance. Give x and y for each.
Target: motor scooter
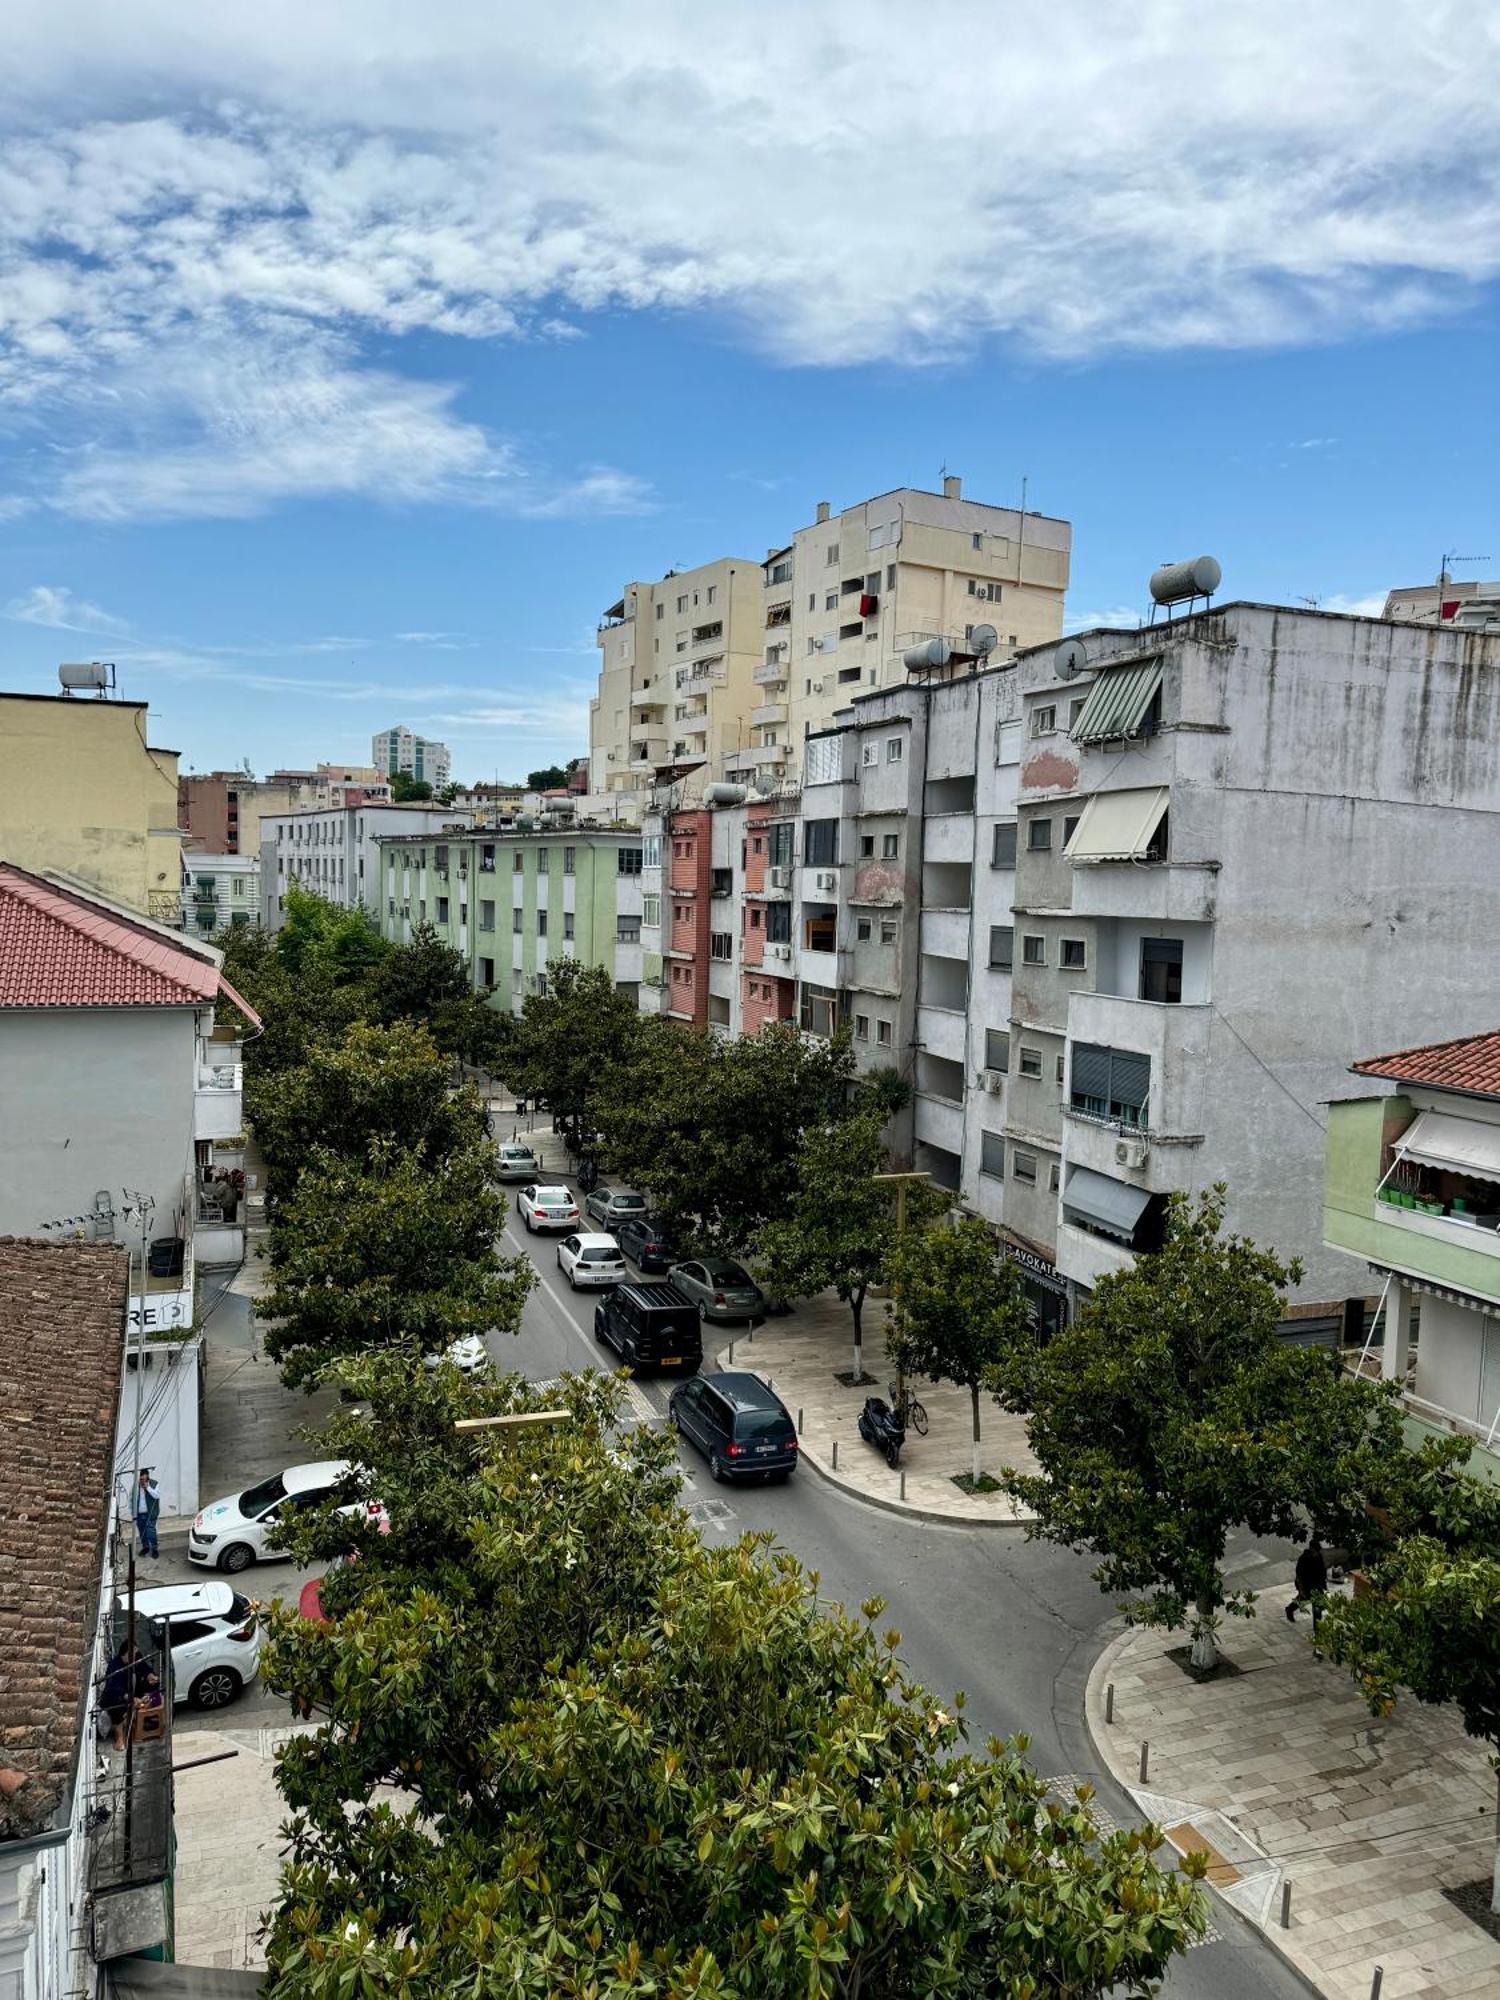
(880, 1426)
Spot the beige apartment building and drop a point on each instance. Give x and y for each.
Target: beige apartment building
(676, 686)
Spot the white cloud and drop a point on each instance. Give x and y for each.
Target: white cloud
(56, 606)
(1369, 606)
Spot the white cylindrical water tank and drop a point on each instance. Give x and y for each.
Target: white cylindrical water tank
(931, 653)
(1175, 581)
(724, 795)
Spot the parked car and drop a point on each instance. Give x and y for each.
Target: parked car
(215, 1638)
(742, 1428)
(517, 1163)
(650, 1326)
(612, 1206)
(547, 1208)
(591, 1259)
(232, 1533)
(469, 1356)
(646, 1243)
(719, 1289)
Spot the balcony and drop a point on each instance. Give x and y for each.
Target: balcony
(1160, 892)
(646, 752)
(1176, 1038)
(774, 673)
(218, 1101)
(1086, 1258)
(945, 934)
(768, 712)
(949, 837)
(943, 1032)
(759, 754)
(703, 634)
(651, 695)
(937, 1122)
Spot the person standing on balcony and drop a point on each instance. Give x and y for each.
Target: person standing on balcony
(147, 1511)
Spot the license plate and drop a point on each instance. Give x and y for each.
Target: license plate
(671, 1361)
(763, 1449)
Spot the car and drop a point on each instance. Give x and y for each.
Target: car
(551, 1207)
(591, 1259)
(650, 1326)
(214, 1633)
(646, 1243)
(517, 1163)
(719, 1289)
(469, 1356)
(742, 1428)
(240, 1529)
(612, 1206)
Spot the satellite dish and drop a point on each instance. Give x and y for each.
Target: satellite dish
(1069, 660)
(983, 640)
(765, 784)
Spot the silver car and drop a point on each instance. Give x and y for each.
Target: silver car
(612, 1206)
(517, 1163)
(719, 1289)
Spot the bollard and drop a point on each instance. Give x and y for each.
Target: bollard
(731, 1353)
(1109, 1703)
(799, 1420)
(1286, 1906)
(1375, 1979)
(1145, 1751)
(835, 1454)
(903, 1486)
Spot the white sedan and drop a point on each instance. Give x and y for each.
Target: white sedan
(591, 1259)
(242, 1528)
(469, 1356)
(547, 1208)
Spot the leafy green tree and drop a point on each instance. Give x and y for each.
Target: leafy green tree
(317, 935)
(547, 779)
(960, 1310)
(395, 1250)
(1170, 1412)
(839, 1229)
(571, 1038)
(623, 1764)
(446, 794)
(426, 981)
(407, 790)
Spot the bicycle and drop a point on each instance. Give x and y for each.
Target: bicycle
(913, 1416)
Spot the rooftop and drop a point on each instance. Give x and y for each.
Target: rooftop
(1469, 1065)
(62, 949)
(55, 1299)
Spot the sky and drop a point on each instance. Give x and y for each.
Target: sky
(354, 356)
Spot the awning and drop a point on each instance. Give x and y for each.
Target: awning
(1113, 1206)
(1117, 702)
(1118, 826)
(1461, 1144)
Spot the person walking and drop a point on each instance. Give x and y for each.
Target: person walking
(147, 1512)
(1312, 1584)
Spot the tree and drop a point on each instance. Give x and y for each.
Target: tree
(319, 936)
(547, 779)
(962, 1313)
(407, 790)
(395, 1250)
(1170, 1412)
(625, 1764)
(446, 794)
(839, 1231)
(427, 981)
(571, 1038)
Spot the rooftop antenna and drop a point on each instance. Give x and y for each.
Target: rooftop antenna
(1452, 556)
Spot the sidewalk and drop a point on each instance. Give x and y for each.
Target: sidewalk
(1284, 1773)
(801, 1356)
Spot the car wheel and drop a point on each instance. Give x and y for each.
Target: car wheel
(215, 1687)
(716, 1467)
(674, 1419)
(598, 1322)
(703, 1312)
(238, 1556)
(530, 1225)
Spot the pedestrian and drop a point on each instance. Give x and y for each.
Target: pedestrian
(124, 1677)
(1312, 1584)
(147, 1512)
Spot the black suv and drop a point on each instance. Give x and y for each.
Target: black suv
(652, 1326)
(742, 1427)
(645, 1242)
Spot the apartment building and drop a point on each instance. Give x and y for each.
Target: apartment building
(675, 687)
(1470, 605)
(511, 903)
(219, 891)
(421, 757)
(84, 793)
(333, 851)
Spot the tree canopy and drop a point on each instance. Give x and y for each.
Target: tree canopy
(566, 1751)
(407, 790)
(571, 1039)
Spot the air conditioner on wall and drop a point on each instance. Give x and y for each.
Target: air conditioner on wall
(826, 880)
(994, 1081)
(781, 878)
(1130, 1152)
(778, 951)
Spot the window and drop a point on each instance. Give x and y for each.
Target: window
(721, 881)
(661, 611)
(1033, 950)
(486, 972)
(1003, 853)
(517, 918)
(831, 555)
(869, 753)
(520, 860)
(992, 1154)
(1054, 1176)
(439, 857)
(1075, 709)
(1007, 743)
(710, 594)
(1072, 954)
(541, 923)
(1002, 946)
(486, 916)
(1161, 970)
(783, 844)
(861, 1027)
(651, 910)
(239, 888)
(866, 845)
(1039, 836)
(831, 601)
(1031, 1063)
(818, 1013)
(569, 856)
(651, 850)
(883, 1033)
(628, 860)
(887, 930)
(820, 842)
(1044, 719)
(890, 846)
(864, 930)
(682, 604)
(997, 1049)
(442, 909)
(758, 845)
(895, 749)
(755, 916)
(812, 605)
(778, 923)
(422, 910)
(721, 944)
(1070, 826)
(1107, 1083)
(1023, 1167)
(487, 859)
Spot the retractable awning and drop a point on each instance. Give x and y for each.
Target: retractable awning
(1118, 826)
(1463, 1145)
(1113, 1206)
(1117, 702)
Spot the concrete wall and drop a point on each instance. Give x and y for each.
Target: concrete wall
(1458, 1361)
(171, 1392)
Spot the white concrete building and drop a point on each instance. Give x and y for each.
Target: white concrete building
(219, 891)
(333, 851)
(400, 749)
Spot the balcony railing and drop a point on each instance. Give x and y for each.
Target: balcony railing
(221, 1076)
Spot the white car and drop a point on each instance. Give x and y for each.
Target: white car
(232, 1533)
(215, 1637)
(591, 1259)
(517, 1163)
(469, 1356)
(547, 1208)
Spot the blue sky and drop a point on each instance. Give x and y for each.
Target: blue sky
(354, 395)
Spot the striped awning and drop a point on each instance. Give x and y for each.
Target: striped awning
(1118, 826)
(1117, 702)
(1113, 1206)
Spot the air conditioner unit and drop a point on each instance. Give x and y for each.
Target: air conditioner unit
(1130, 1152)
(781, 878)
(778, 951)
(826, 880)
(994, 1081)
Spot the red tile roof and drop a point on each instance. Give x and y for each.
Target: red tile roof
(55, 1299)
(1471, 1064)
(58, 949)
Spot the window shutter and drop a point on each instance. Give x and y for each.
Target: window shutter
(996, 1049)
(1130, 1077)
(1090, 1071)
(1005, 844)
(1002, 946)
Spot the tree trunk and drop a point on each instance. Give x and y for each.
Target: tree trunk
(1205, 1654)
(1495, 1884)
(974, 1398)
(856, 1307)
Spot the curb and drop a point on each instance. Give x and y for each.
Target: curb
(908, 1509)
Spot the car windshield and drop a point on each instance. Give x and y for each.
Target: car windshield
(763, 1424)
(240, 1609)
(256, 1499)
(634, 1203)
(605, 1256)
(516, 1153)
(729, 1274)
(554, 1197)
